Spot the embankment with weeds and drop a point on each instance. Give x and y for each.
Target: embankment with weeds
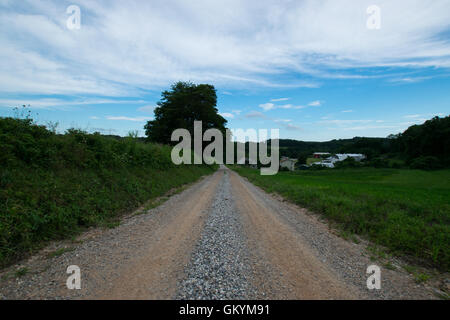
(53, 186)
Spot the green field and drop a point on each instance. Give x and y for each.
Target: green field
(407, 211)
(310, 161)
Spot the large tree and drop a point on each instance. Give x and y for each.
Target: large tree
(431, 138)
(180, 106)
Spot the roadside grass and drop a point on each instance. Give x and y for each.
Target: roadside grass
(419, 277)
(59, 252)
(153, 203)
(21, 272)
(406, 211)
(53, 186)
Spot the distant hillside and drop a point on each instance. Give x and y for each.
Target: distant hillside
(369, 146)
(419, 146)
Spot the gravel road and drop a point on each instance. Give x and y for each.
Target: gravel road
(221, 238)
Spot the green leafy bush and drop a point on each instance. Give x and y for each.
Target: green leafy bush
(426, 163)
(52, 186)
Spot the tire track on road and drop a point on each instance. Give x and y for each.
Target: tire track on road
(285, 268)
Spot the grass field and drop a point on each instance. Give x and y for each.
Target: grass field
(407, 211)
(310, 161)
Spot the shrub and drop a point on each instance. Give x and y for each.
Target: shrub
(379, 163)
(51, 186)
(426, 163)
(348, 163)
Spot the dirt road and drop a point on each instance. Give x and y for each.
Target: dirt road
(222, 238)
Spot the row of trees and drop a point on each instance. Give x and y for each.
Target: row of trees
(186, 102)
(420, 146)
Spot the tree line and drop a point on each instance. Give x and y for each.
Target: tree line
(420, 146)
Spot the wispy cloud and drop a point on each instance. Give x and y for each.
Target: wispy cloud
(147, 109)
(316, 103)
(279, 99)
(267, 106)
(271, 106)
(123, 118)
(292, 127)
(227, 115)
(57, 103)
(344, 122)
(409, 79)
(242, 43)
(411, 116)
(282, 120)
(255, 115)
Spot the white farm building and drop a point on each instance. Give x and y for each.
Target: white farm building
(329, 162)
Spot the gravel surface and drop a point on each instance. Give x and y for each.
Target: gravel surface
(220, 266)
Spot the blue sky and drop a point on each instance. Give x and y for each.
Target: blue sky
(310, 68)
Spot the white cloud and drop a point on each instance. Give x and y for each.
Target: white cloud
(409, 79)
(410, 116)
(347, 111)
(238, 112)
(282, 120)
(270, 106)
(122, 118)
(121, 49)
(56, 103)
(280, 99)
(292, 127)
(255, 115)
(226, 115)
(315, 103)
(147, 109)
(267, 106)
(344, 122)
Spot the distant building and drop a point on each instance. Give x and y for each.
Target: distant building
(288, 163)
(343, 156)
(329, 162)
(319, 155)
(325, 163)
